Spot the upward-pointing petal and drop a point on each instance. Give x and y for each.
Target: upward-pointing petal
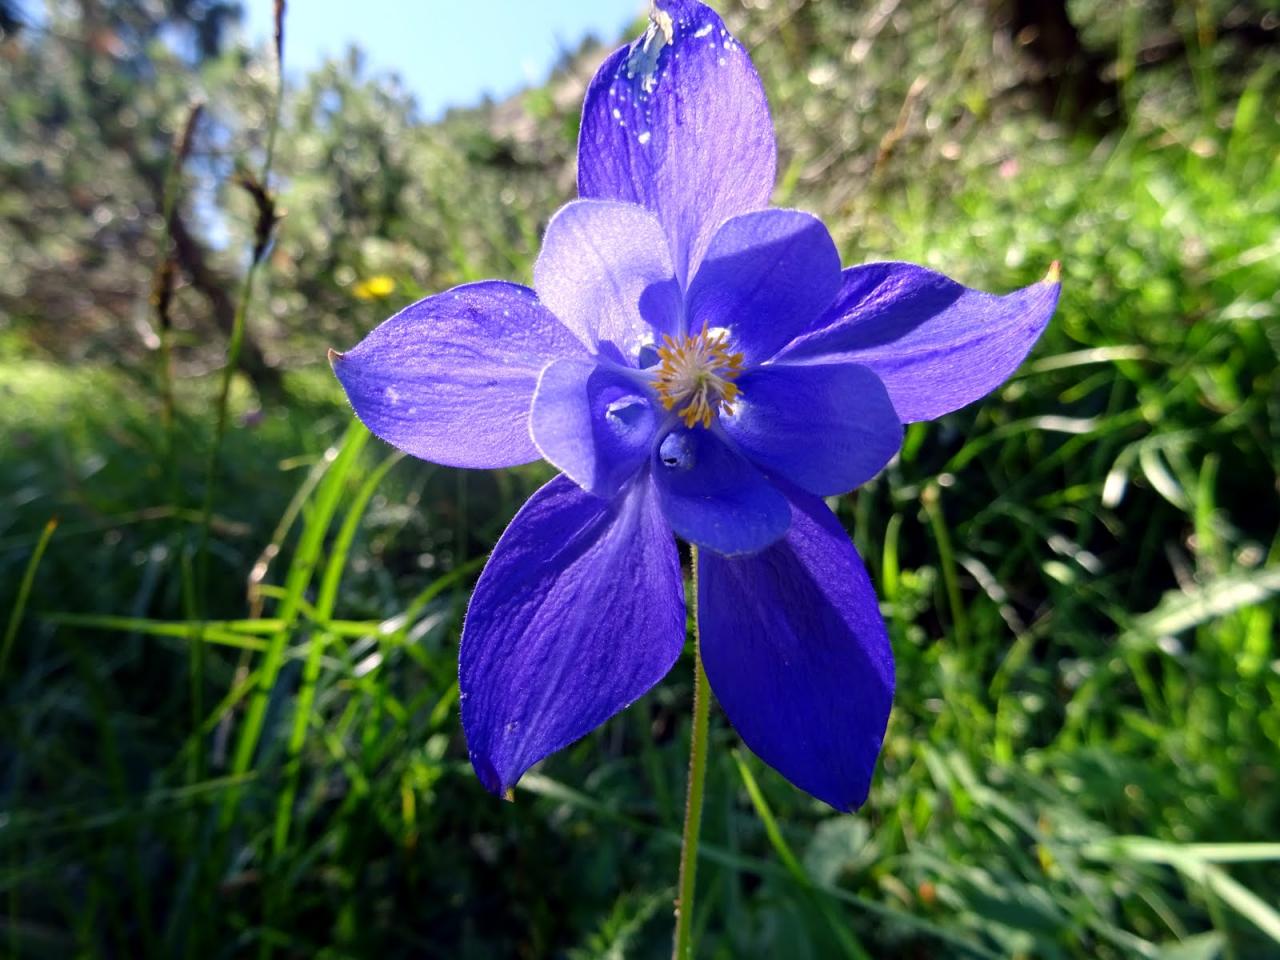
(606, 273)
(767, 276)
(579, 612)
(450, 379)
(678, 122)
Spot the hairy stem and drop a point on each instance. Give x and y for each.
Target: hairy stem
(697, 777)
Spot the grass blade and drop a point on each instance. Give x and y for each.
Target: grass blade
(848, 942)
(1197, 863)
(307, 556)
(24, 591)
(311, 671)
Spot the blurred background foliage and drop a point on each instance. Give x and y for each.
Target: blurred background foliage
(245, 741)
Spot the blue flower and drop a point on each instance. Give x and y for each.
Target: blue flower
(695, 364)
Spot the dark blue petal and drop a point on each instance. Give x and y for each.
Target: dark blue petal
(825, 427)
(678, 122)
(767, 276)
(579, 612)
(594, 423)
(605, 272)
(450, 378)
(715, 498)
(935, 344)
(798, 655)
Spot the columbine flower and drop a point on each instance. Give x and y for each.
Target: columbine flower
(694, 363)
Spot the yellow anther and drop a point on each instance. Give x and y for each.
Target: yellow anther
(696, 375)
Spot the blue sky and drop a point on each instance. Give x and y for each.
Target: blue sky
(449, 53)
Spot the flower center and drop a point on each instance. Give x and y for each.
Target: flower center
(696, 374)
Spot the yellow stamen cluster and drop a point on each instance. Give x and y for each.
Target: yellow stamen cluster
(696, 374)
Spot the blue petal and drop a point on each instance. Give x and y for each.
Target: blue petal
(678, 123)
(715, 498)
(798, 655)
(825, 427)
(594, 423)
(450, 378)
(579, 612)
(935, 344)
(766, 278)
(605, 272)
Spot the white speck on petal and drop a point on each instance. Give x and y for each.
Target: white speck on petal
(617, 114)
(704, 30)
(644, 138)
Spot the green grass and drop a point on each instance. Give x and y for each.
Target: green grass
(1080, 575)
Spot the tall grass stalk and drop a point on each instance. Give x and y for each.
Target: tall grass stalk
(234, 345)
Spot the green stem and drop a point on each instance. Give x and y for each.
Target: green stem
(697, 777)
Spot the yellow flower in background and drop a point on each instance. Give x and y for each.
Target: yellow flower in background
(375, 287)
